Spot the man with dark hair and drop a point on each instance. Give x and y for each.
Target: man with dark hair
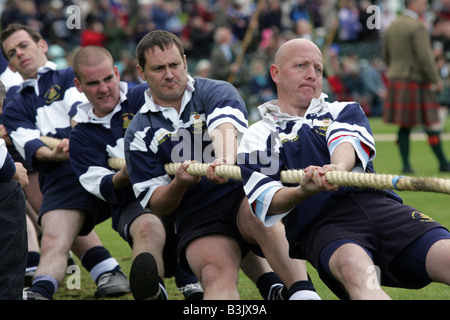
(43, 106)
(186, 120)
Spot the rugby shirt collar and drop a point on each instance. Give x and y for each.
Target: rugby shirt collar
(150, 104)
(272, 112)
(86, 114)
(49, 66)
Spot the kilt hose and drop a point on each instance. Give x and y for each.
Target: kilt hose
(410, 103)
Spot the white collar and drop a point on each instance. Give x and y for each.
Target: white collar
(270, 110)
(150, 104)
(49, 66)
(85, 112)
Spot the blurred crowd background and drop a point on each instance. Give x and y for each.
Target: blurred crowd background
(235, 40)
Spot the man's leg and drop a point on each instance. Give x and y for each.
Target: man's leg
(267, 281)
(349, 264)
(102, 267)
(403, 141)
(33, 252)
(34, 198)
(59, 229)
(147, 271)
(149, 235)
(215, 260)
(438, 261)
(275, 247)
(435, 142)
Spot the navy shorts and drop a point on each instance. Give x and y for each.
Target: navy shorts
(68, 193)
(13, 240)
(407, 270)
(220, 219)
(122, 220)
(384, 227)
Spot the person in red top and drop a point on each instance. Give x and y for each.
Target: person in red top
(94, 34)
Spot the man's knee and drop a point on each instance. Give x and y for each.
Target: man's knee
(213, 255)
(438, 261)
(147, 226)
(349, 264)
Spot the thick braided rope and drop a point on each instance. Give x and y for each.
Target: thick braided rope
(341, 178)
(50, 141)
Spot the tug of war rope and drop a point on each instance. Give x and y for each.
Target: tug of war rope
(340, 178)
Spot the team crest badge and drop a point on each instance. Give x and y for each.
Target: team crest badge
(197, 123)
(417, 215)
(52, 94)
(321, 126)
(126, 119)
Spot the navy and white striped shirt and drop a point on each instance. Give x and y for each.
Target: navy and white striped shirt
(280, 141)
(159, 135)
(94, 140)
(42, 107)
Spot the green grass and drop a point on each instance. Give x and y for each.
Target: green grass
(387, 161)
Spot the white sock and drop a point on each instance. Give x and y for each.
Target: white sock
(305, 295)
(102, 267)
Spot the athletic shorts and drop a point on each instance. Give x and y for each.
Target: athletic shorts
(122, 220)
(382, 226)
(220, 218)
(407, 270)
(68, 193)
(13, 240)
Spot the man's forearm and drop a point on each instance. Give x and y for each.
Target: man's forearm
(166, 199)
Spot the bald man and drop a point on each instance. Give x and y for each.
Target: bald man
(348, 234)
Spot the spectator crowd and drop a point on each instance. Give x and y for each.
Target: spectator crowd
(235, 40)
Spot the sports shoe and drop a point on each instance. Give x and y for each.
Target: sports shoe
(31, 295)
(277, 292)
(144, 279)
(112, 284)
(192, 291)
(29, 274)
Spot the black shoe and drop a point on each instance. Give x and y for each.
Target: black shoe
(144, 279)
(445, 169)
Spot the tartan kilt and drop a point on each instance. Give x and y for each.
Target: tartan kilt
(409, 103)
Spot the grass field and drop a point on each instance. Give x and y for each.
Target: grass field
(387, 161)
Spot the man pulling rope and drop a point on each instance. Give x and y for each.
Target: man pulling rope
(341, 178)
